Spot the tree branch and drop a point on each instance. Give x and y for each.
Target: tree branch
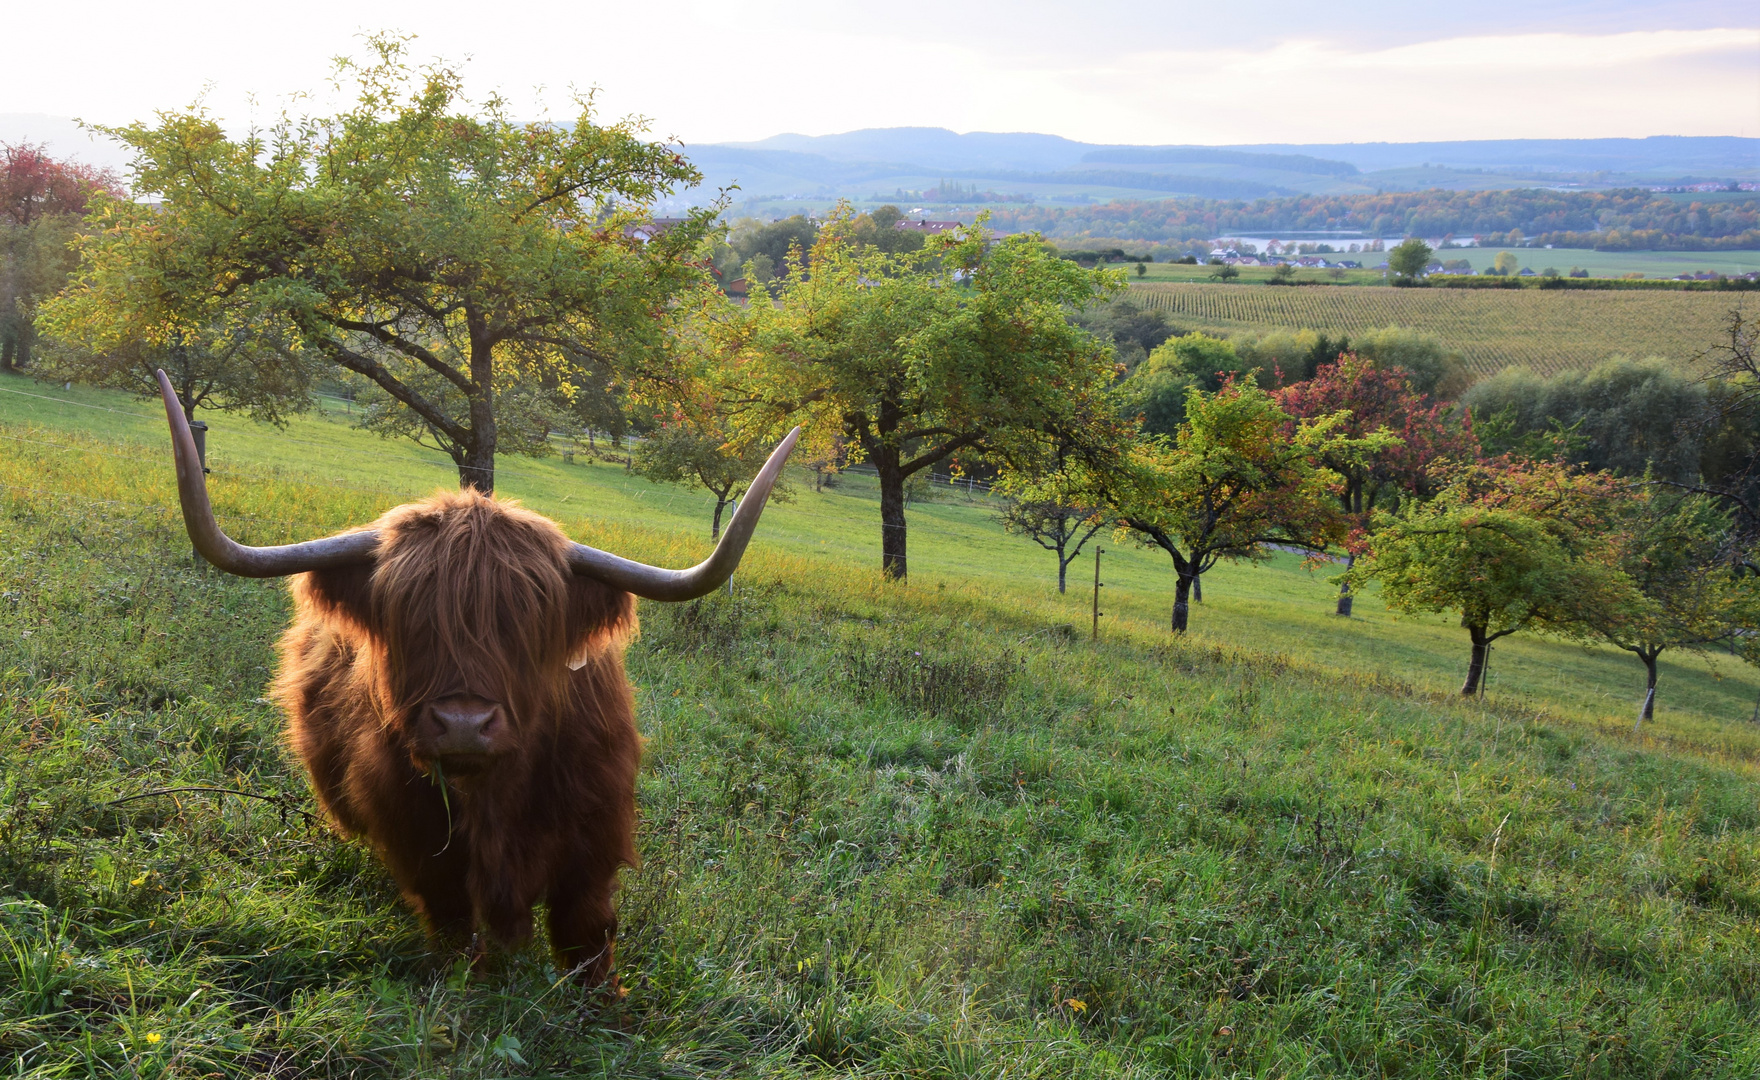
(940, 453)
(408, 348)
(362, 364)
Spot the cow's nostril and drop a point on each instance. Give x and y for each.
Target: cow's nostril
(465, 725)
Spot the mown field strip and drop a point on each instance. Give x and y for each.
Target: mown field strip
(1493, 329)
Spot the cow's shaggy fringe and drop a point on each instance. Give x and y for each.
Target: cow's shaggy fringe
(470, 595)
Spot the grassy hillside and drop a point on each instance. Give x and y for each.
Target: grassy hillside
(1547, 330)
(889, 831)
(1279, 605)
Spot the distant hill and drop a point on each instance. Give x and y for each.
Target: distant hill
(911, 164)
(1614, 220)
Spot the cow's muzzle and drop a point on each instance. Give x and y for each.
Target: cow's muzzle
(463, 732)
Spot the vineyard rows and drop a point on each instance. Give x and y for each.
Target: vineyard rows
(1548, 330)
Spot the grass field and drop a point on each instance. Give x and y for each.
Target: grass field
(1547, 330)
(1613, 264)
(887, 831)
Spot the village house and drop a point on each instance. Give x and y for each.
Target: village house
(650, 230)
(931, 228)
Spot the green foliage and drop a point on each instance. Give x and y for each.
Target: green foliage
(1505, 264)
(232, 369)
(1284, 356)
(459, 263)
(35, 261)
(1628, 416)
(1498, 435)
(962, 348)
(1432, 367)
(763, 249)
(879, 229)
(697, 454)
(1156, 393)
(1135, 331)
(1155, 396)
(1211, 362)
(1060, 529)
(1690, 589)
(1510, 547)
(1240, 474)
(1407, 260)
(1225, 273)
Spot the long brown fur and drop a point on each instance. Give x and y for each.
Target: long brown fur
(473, 595)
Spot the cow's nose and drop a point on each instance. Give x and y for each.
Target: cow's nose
(465, 725)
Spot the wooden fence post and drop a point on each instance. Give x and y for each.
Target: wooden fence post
(1098, 585)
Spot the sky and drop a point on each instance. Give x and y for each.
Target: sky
(1097, 71)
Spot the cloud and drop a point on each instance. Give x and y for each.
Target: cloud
(1575, 51)
(1106, 71)
(1542, 85)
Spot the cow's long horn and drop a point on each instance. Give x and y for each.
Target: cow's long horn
(653, 583)
(225, 552)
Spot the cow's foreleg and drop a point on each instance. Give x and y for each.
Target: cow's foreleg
(418, 834)
(583, 925)
(435, 887)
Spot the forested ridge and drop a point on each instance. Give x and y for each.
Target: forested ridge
(1566, 218)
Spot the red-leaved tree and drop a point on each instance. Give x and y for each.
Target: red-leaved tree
(1378, 399)
(33, 184)
(41, 201)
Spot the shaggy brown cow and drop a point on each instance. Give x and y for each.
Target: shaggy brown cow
(453, 681)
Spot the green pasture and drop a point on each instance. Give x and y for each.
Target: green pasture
(887, 831)
(1652, 264)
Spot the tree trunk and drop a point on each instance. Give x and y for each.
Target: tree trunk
(1476, 669)
(1649, 659)
(476, 469)
(1182, 589)
(892, 525)
(721, 501)
(6, 355)
(1062, 570)
(1198, 588)
(1344, 589)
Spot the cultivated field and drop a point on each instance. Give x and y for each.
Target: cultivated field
(888, 831)
(1547, 330)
